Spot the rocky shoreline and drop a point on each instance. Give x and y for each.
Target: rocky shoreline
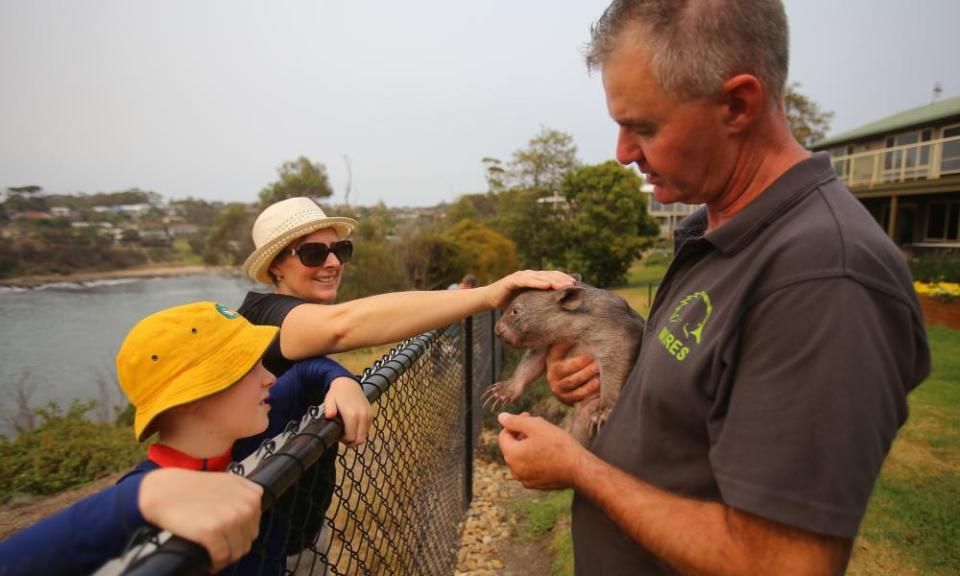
(153, 271)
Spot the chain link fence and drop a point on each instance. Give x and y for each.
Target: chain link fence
(396, 503)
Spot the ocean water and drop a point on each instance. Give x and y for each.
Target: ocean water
(59, 340)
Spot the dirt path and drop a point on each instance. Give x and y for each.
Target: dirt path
(489, 545)
(24, 511)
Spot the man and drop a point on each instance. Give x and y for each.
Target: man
(467, 282)
(784, 338)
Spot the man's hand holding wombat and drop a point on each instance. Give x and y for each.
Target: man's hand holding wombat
(571, 379)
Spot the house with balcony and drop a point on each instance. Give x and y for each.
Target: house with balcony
(668, 216)
(906, 170)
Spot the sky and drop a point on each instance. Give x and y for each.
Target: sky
(207, 99)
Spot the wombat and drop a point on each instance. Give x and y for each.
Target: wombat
(599, 322)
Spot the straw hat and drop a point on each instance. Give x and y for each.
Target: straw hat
(182, 354)
(282, 223)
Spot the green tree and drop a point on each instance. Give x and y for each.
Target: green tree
(300, 177)
(495, 173)
(431, 260)
(477, 207)
(229, 241)
(375, 223)
(608, 223)
(542, 166)
(376, 268)
(530, 208)
(808, 122)
(534, 226)
(196, 211)
(24, 199)
(481, 251)
(29, 190)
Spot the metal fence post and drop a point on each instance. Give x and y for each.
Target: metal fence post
(494, 373)
(468, 410)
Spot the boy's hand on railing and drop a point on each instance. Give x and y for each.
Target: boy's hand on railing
(219, 511)
(500, 292)
(347, 399)
(571, 379)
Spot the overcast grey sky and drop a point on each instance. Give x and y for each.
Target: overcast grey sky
(206, 99)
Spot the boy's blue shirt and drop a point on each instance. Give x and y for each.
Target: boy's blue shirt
(83, 537)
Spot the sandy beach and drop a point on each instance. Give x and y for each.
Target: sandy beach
(151, 271)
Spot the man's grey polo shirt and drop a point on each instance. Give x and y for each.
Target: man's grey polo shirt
(774, 369)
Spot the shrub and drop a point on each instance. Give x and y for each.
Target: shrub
(939, 267)
(64, 451)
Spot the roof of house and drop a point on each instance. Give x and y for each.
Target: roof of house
(912, 117)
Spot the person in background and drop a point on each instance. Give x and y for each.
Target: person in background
(781, 345)
(468, 281)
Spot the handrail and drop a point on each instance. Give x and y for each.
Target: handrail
(895, 164)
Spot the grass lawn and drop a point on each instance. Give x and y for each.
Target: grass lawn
(913, 521)
(357, 360)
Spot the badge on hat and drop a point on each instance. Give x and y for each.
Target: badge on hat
(228, 313)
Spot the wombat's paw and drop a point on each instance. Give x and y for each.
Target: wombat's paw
(499, 393)
(598, 419)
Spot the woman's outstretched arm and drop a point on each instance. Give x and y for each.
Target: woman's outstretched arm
(315, 329)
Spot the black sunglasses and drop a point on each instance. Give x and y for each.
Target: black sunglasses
(315, 253)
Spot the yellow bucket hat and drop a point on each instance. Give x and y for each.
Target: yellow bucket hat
(183, 354)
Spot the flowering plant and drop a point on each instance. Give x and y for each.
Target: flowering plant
(943, 291)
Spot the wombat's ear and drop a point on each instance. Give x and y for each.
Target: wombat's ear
(571, 298)
(577, 277)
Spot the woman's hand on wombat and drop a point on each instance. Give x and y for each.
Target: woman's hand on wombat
(571, 379)
(539, 454)
(500, 292)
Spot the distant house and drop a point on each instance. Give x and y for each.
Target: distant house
(133, 209)
(668, 216)
(182, 229)
(154, 237)
(33, 215)
(60, 211)
(906, 170)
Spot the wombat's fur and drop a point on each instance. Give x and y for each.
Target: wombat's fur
(600, 323)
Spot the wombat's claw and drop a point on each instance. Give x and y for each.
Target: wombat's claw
(494, 396)
(598, 419)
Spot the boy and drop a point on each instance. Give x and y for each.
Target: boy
(194, 375)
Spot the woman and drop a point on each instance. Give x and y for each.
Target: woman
(301, 251)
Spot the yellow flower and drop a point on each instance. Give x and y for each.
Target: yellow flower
(946, 291)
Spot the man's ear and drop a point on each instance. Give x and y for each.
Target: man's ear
(571, 298)
(744, 100)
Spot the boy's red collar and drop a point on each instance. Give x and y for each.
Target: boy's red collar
(167, 457)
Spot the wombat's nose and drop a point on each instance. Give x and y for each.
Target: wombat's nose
(498, 329)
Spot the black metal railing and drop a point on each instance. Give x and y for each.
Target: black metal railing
(397, 501)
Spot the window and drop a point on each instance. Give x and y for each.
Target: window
(943, 221)
(911, 160)
(950, 161)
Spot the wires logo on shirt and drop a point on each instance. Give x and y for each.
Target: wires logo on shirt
(686, 324)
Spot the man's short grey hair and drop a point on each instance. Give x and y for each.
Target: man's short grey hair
(696, 45)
